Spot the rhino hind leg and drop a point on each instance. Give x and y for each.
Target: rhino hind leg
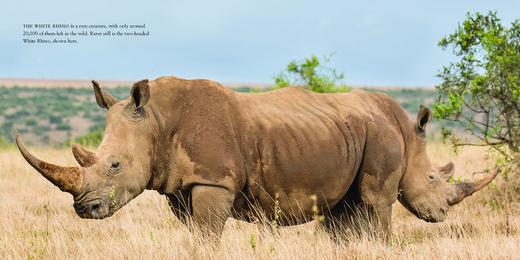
(211, 206)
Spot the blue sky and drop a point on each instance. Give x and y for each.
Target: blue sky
(376, 42)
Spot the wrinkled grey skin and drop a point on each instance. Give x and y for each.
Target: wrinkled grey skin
(215, 153)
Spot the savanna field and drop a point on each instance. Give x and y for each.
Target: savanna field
(37, 221)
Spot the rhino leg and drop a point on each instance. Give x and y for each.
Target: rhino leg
(358, 219)
(211, 207)
(380, 174)
(180, 205)
(380, 217)
(367, 207)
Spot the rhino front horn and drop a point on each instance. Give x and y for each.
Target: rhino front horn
(68, 179)
(465, 189)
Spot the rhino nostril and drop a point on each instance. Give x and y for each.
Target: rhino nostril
(79, 207)
(94, 208)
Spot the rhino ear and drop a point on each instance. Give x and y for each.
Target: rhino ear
(103, 99)
(423, 118)
(140, 93)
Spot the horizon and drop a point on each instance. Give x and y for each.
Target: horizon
(114, 83)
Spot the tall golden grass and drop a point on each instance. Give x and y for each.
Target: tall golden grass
(38, 221)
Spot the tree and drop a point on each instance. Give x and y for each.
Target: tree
(312, 75)
(481, 91)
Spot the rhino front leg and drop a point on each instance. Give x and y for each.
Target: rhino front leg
(211, 207)
(378, 205)
(380, 218)
(359, 219)
(380, 174)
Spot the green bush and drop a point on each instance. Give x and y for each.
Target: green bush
(41, 129)
(54, 119)
(31, 122)
(63, 127)
(92, 138)
(5, 144)
(311, 74)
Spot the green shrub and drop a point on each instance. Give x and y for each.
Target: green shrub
(311, 74)
(243, 89)
(31, 122)
(41, 129)
(92, 138)
(4, 143)
(53, 119)
(63, 127)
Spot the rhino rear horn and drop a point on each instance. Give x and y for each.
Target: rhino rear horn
(84, 157)
(462, 190)
(68, 179)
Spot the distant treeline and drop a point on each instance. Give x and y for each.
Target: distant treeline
(59, 116)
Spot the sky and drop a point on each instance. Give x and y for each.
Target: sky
(376, 43)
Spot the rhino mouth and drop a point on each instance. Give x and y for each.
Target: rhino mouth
(93, 209)
(428, 214)
(431, 217)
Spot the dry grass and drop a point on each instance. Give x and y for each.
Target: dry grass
(38, 221)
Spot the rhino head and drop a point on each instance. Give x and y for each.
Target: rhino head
(425, 190)
(122, 165)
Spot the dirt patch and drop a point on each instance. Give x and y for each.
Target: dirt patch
(57, 136)
(79, 125)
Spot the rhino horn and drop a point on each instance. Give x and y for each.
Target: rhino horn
(465, 189)
(84, 157)
(68, 179)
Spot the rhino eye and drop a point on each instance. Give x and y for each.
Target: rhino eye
(115, 166)
(431, 177)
